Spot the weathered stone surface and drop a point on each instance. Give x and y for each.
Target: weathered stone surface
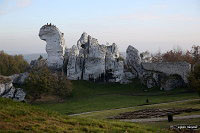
(19, 95)
(172, 82)
(133, 60)
(7, 90)
(88, 60)
(55, 46)
(10, 93)
(19, 78)
(157, 74)
(5, 84)
(129, 75)
(38, 63)
(91, 61)
(170, 68)
(145, 57)
(74, 64)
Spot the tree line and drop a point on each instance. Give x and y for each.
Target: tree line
(10, 65)
(191, 56)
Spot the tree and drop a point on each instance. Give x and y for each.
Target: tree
(42, 81)
(196, 53)
(12, 64)
(177, 55)
(63, 87)
(194, 78)
(39, 82)
(156, 57)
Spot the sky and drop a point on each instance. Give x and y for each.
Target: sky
(151, 25)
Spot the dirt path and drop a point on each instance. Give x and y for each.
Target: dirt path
(162, 119)
(134, 107)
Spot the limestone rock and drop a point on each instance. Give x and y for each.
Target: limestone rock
(91, 61)
(5, 84)
(129, 75)
(73, 64)
(19, 95)
(133, 60)
(170, 68)
(38, 63)
(172, 82)
(10, 93)
(19, 78)
(7, 90)
(55, 46)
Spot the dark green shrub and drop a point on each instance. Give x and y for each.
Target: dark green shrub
(194, 78)
(10, 65)
(42, 81)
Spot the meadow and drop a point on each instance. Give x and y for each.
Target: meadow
(16, 117)
(89, 96)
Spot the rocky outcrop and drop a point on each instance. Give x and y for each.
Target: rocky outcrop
(133, 61)
(19, 79)
(7, 90)
(171, 82)
(5, 84)
(55, 46)
(88, 60)
(40, 62)
(165, 75)
(170, 68)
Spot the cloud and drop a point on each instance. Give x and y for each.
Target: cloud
(8, 6)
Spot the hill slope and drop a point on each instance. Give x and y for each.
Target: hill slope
(21, 117)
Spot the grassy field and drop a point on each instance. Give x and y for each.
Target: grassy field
(88, 96)
(163, 124)
(20, 117)
(107, 113)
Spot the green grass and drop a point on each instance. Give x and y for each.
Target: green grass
(107, 113)
(163, 124)
(166, 125)
(88, 96)
(21, 117)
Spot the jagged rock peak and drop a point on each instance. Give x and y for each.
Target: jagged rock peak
(133, 60)
(55, 46)
(86, 40)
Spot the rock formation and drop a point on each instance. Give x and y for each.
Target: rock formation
(133, 61)
(164, 74)
(7, 90)
(55, 46)
(89, 60)
(170, 68)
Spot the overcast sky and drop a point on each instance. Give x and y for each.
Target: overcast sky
(145, 24)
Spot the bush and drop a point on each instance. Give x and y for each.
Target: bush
(63, 86)
(194, 78)
(10, 65)
(42, 81)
